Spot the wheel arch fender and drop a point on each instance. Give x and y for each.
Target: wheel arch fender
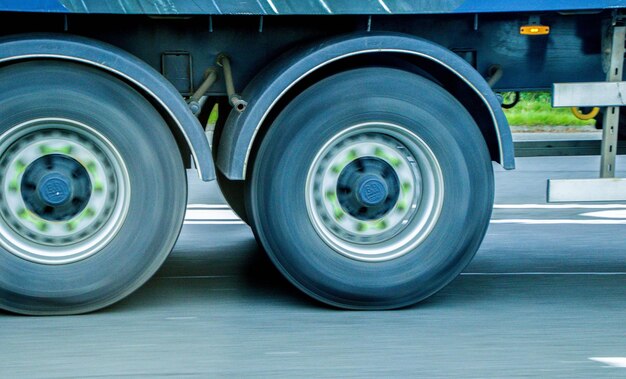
(125, 66)
(279, 80)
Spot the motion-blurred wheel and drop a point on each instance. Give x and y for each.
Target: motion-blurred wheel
(93, 189)
(372, 189)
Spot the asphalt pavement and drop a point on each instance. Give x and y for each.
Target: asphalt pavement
(544, 297)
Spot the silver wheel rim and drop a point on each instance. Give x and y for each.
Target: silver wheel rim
(404, 221)
(32, 235)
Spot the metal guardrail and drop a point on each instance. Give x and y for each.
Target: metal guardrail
(562, 148)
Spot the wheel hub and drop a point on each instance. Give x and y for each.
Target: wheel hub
(374, 191)
(368, 188)
(56, 187)
(64, 191)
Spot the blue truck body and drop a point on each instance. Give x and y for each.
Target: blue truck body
(303, 7)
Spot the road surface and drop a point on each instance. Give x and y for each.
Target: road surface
(544, 297)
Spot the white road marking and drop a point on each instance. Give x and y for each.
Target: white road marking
(221, 214)
(611, 361)
(209, 215)
(526, 221)
(226, 222)
(207, 206)
(559, 206)
(496, 206)
(615, 213)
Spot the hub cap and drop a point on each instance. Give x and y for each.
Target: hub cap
(368, 188)
(56, 187)
(65, 191)
(374, 191)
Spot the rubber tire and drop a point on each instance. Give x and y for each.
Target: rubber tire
(157, 180)
(276, 192)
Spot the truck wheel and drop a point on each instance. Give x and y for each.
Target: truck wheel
(372, 189)
(93, 189)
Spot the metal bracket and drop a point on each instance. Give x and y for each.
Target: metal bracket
(581, 190)
(534, 20)
(234, 99)
(177, 67)
(593, 94)
(611, 114)
(606, 188)
(194, 101)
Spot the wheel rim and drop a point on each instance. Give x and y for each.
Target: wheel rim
(65, 191)
(374, 191)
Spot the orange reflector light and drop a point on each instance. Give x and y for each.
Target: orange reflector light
(534, 30)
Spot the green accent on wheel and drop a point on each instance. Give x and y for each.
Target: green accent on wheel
(382, 224)
(330, 195)
(51, 150)
(352, 155)
(13, 186)
(20, 166)
(338, 213)
(361, 227)
(380, 153)
(73, 224)
(91, 167)
(24, 214)
(98, 186)
(41, 225)
(406, 187)
(401, 206)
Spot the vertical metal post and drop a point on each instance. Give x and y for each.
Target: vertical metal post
(611, 114)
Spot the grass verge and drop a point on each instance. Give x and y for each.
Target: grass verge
(535, 109)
